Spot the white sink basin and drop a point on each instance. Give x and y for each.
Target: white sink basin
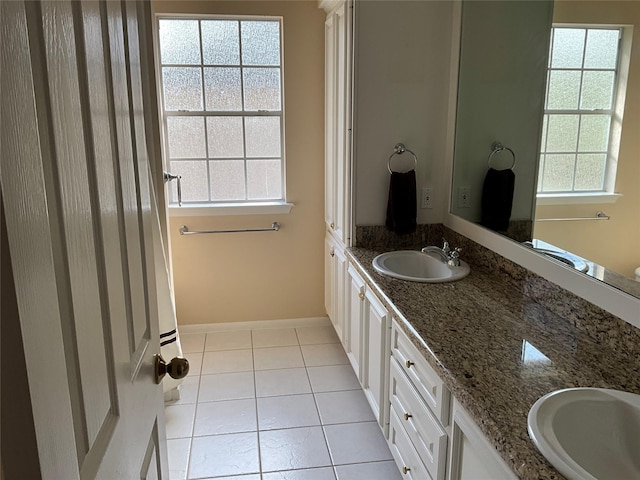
(416, 266)
(588, 433)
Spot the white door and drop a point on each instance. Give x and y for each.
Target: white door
(75, 184)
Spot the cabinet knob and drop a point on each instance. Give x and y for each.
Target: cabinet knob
(409, 363)
(361, 295)
(332, 253)
(405, 470)
(333, 226)
(407, 416)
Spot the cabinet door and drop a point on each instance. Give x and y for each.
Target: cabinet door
(329, 268)
(355, 320)
(339, 292)
(377, 335)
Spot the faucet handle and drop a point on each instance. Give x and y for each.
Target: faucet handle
(454, 257)
(445, 246)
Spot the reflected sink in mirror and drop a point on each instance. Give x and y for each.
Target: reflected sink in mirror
(588, 433)
(416, 266)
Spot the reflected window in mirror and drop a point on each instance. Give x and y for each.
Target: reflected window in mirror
(584, 100)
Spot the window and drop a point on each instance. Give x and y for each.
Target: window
(222, 97)
(580, 137)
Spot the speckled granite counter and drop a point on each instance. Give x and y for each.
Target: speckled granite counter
(498, 351)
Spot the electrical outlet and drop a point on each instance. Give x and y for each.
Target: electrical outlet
(464, 197)
(426, 198)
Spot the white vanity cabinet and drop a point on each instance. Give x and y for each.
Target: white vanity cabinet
(419, 410)
(335, 287)
(354, 324)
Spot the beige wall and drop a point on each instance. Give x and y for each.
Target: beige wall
(271, 275)
(613, 243)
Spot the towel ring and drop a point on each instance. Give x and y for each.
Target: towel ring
(399, 149)
(498, 147)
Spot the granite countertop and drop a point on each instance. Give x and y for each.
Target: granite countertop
(498, 351)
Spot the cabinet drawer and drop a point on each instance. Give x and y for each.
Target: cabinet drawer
(427, 435)
(423, 377)
(403, 452)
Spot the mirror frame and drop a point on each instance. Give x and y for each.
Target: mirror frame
(614, 301)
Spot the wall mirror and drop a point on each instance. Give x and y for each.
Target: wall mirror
(505, 53)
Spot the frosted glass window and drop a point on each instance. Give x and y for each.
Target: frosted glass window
(563, 133)
(262, 89)
(262, 136)
(186, 137)
(179, 42)
(558, 173)
(220, 42)
(224, 135)
(260, 43)
(597, 90)
(580, 108)
(222, 89)
(182, 88)
(264, 179)
(602, 49)
(227, 180)
(564, 90)
(194, 181)
(567, 48)
(222, 103)
(594, 133)
(590, 172)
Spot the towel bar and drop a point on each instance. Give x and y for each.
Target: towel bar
(497, 147)
(399, 149)
(599, 216)
(184, 230)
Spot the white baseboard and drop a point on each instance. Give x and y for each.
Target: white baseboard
(284, 323)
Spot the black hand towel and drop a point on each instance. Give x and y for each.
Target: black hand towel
(402, 204)
(497, 199)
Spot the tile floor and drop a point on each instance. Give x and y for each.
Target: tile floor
(273, 404)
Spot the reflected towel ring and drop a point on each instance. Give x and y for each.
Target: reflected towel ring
(399, 149)
(498, 147)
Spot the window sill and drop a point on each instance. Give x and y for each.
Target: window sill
(576, 198)
(208, 210)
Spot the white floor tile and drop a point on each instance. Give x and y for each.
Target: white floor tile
(316, 335)
(231, 416)
(357, 443)
(179, 420)
(219, 455)
(188, 391)
(293, 448)
(369, 471)
(348, 406)
(288, 381)
(233, 340)
(325, 473)
(195, 363)
(227, 361)
(277, 357)
(226, 386)
(274, 337)
(240, 477)
(178, 451)
(332, 378)
(287, 412)
(325, 354)
(192, 342)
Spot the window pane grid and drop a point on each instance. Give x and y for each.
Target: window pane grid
(575, 141)
(263, 64)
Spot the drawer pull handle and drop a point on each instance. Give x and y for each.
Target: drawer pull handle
(407, 416)
(409, 363)
(405, 470)
(361, 295)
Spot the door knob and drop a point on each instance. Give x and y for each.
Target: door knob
(177, 368)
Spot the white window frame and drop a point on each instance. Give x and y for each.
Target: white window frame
(213, 208)
(607, 194)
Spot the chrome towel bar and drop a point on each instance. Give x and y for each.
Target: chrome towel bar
(184, 230)
(599, 216)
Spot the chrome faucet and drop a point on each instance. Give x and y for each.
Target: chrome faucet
(448, 256)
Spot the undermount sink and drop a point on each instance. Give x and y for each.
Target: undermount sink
(588, 433)
(416, 266)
